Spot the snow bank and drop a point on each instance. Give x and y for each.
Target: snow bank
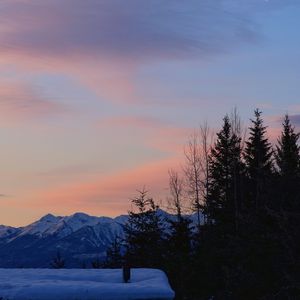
(83, 284)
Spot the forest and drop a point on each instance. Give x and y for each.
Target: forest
(244, 192)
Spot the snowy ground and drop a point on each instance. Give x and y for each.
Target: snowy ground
(83, 284)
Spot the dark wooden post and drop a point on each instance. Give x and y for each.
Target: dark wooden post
(126, 273)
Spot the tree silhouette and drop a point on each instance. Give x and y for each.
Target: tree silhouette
(259, 162)
(58, 262)
(225, 168)
(143, 233)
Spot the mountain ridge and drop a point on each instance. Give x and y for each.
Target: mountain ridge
(75, 236)
(79, 237)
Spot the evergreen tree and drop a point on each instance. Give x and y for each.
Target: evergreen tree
(58, 262)
(288, 162)
(97, 263)
(225, 172)
(287, 211)
(114, 257)
(259, 162)
(143, 233)
(288, 151)
(219, 246)
(177, 254)
(260, 236)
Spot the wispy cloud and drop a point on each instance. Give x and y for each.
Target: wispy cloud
(70, 171)
(137, 30)
(20, 101)
(274, 123)
(155, 133)
(295, 120)
(103, 43)
(131, 121)
(107, 194)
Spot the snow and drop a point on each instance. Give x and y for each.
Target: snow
(61, 226)
(7, 230)
(83, 284)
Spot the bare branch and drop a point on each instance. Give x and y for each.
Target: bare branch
(197, 152)
(176, 190)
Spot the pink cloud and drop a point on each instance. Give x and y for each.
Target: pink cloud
(106, 195)
(158, 134)
(169, 139)
(278, 120)
(109, 80)
(273, 134)
(275, 125)
(137, 31)
(19, 101)
(102, 44)
(132, 121)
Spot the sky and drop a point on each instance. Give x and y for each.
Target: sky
(99, 97)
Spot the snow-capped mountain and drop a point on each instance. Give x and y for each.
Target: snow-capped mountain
(6, 231)
(78, 237)
(62, 226)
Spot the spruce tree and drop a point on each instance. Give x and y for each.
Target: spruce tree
(225, 172)
(219, 255)
(177, 254)
(143, 233)
(114, 257)
(259, 162)
(261, 242)
(288, 162)
(287, 214)
(58, 262)
(288, 151)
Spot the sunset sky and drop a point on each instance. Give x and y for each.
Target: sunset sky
(98, 97)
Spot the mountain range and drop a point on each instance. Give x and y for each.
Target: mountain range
(80, 239)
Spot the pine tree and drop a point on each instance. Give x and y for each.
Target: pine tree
(288, 162)
(260, 238)
(225, 172)
(220, 246)
(287, 211)
(143, 233)
(288, 151)
(58, 262)
(114, 257)
(259, 162)
(177, 254)
(97, 263)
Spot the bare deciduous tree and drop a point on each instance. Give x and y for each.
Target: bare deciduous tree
(176, 186)
(193, 172)
(196, 167)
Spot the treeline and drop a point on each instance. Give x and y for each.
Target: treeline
(244, 242)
